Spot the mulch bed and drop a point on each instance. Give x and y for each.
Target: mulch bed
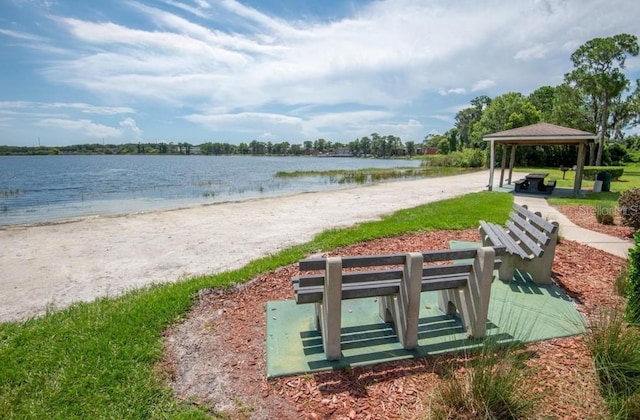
(585, 216)
(216, 356)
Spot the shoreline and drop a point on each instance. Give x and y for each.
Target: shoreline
(51, 266)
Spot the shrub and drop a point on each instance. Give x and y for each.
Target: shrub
(633, 283)
(590, 172)
(604, 215)
(494, 386)
(615, 349)
(467, 158)
(629, 205)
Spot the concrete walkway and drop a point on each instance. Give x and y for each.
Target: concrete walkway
(569, 230)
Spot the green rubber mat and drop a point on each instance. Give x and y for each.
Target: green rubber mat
(519, 311)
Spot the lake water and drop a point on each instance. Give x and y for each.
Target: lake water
(41, 189)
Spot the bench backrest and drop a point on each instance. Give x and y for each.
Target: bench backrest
(434, 277)
(531, 229)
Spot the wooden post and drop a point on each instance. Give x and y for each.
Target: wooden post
(492, 165)
(577, 183)
(503, 163)
(512, 161)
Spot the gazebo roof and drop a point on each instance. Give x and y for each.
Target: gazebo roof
(541, 134)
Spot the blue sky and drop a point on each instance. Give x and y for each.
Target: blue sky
(118, 71)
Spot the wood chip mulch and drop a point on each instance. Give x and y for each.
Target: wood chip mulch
(585, 216)
(215, 357)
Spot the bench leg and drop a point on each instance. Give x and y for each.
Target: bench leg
(331, 309)
(472, 300)
(404, 309)
(508, 267)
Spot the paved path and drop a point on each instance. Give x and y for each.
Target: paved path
(571, 231)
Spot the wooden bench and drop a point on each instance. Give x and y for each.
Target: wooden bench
(530, 243)
(464, 286)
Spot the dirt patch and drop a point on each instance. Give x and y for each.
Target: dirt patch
(216, 356)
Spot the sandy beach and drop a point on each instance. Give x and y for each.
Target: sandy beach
(52, 266)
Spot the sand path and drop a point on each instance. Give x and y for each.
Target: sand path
(52, 266)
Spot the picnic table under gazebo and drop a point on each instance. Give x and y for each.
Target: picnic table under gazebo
(541, 134)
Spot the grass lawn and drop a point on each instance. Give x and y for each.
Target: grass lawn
(630, 179)
(96, 360)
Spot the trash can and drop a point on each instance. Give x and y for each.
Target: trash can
(605, 177)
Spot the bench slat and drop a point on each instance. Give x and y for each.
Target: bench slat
(535, 219)
(313, 294)
(313, 264)
(524, 239)
(503, 238)
(382, 275)
(539, 235)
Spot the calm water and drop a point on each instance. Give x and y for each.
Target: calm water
(39, 189)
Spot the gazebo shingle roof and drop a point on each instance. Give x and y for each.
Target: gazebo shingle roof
(540, 130)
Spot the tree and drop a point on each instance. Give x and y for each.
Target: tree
(465, 118)
(542, 98)
(597, 71)
(511, 110)
(411, 148)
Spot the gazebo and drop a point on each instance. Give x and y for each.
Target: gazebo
(541, 134)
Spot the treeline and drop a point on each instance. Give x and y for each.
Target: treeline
(595, 97)
(369, 146)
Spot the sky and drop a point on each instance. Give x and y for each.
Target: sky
(119, 71)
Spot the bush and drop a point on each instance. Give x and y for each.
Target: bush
(615, 349)
(467, 158)
(494, 385)
(629, 207)
(590, 172)
(633, 283)
(604, 215)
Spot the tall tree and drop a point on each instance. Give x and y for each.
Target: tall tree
(542, 99)
(597, 71)
(465, 118)
(511, 110)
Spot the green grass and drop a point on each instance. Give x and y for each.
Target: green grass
(494, 385)
(615, 349)
(630, 179)
(370, 175)
(96, 360)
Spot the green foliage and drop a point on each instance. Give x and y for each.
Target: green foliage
(633, 283)
(590, 172)
(616, 154)
(505, 112)
(467, 158)
(598, 73)
(621, 284)
(629, 207)
(604, 214)
(615, 349)
(493, 386)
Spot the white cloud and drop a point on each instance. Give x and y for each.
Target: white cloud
(85, 128)
(454, 91)
(227, 66)
(20, 35)
(482, 85)
(130, 128)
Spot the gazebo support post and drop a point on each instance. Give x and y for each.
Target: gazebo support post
(512, 161)
(503, 163)
(577, 183)
(492, 165)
